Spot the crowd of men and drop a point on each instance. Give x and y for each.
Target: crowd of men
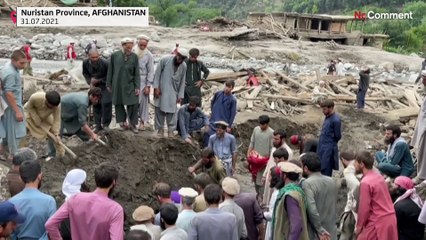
(295, 196)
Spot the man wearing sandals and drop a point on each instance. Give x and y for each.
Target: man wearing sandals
(123, 80)
(146, 72)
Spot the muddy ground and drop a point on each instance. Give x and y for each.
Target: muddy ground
(144, 159)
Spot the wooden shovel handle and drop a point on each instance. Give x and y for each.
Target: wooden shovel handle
(61, 143)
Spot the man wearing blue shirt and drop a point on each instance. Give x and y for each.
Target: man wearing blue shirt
(36, 206)
(224, 147)
(331, 133)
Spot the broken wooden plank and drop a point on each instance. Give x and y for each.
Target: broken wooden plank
(292, 80)
(253, 94)
(342, 89)
(411, 98)
(288, 98)
(242, 53)
(225, 76)
(269, 80)
(353, 98)
(407, 112)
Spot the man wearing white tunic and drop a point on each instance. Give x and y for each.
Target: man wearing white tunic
(169, 88)
(146, 71)
(418, 140)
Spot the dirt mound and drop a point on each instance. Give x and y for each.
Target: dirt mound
(141, 159)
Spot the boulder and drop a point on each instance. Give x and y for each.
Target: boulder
(387, 66)
(154, 37)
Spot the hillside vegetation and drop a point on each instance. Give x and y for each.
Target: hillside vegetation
(406, 36)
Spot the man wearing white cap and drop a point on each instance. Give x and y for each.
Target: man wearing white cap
(123, 80)
(146, 71)
(231, 188)
(185, 217)
(289, 220)
(418, 139)
(73, 184)
(169, 89)
(144, 217)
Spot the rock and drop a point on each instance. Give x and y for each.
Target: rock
(387, 66)
(56, 43)
(241, 105)
(348, 66)
(107, 52)
(154, 37)
(400, 67)
(36, 46)
(67, 41)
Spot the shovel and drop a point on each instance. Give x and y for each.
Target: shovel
(60, 143)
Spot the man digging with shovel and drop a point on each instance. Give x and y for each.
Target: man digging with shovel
(43, 116)
(74, 108)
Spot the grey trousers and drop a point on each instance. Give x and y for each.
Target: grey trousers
(170, 118)
(144, 108)
(132, 114)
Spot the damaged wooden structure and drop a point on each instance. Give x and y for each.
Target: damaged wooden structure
(317, 27)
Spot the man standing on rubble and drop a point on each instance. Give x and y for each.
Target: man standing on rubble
(146, 71)
(418, 140)
(169, 89)
(71, 55)
(364, 82)
(95, 71)
(224, 108)
(13, 119)
(42, 114)
(28, 70)
(194, 80)
(331, 133)
(123, 80)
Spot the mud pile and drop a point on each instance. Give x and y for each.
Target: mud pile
(142, 161)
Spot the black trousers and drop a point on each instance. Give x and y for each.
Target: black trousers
(103, 114)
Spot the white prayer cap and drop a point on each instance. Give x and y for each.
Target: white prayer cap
(364, 68)
(289, 167)
(188, 192)
(424, 73)
(321, 82)
(142, 37)
(72, 182)
(230, 186)
(183, 52)
(126, 40)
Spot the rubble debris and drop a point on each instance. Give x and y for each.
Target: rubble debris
(218, 24)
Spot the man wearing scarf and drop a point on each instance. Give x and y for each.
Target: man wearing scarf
(398, 160)
(289, 220)
(408, 206)
(123, 80)
(146, 71)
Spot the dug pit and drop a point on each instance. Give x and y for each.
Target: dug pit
(144, 159)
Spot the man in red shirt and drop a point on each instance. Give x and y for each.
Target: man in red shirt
(28, 70)
(71, 55)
